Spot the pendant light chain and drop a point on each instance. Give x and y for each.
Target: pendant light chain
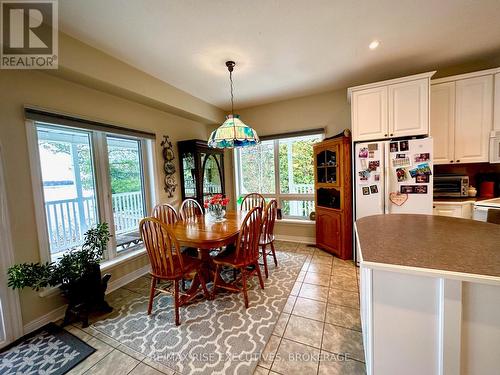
(232, 96)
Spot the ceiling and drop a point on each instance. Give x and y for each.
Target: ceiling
(283, 48)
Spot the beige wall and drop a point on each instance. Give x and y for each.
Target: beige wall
(18, 88)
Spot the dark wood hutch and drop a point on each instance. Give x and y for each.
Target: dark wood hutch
(333, 196)
(201, 170)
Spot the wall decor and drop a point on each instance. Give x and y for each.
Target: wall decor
(168, 166)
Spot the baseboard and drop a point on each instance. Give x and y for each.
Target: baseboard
(301, 239)
(58, 313)
(124, 280)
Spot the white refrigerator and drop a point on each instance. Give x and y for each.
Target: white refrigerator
(393, 177)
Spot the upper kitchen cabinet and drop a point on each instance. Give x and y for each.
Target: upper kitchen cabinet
(390, 109)
(369, 113)
(443, 121)
(462, 118)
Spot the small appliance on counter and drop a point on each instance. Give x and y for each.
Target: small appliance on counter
(451, 186)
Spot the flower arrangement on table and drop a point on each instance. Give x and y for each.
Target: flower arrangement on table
(216, 206)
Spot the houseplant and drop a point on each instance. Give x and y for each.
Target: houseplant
(216, 206)
(77, 274)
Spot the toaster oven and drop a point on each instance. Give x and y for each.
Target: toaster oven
(452, 186)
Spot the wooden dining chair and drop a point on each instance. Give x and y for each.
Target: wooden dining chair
(167, 262)
(253, 200)
(166, 213)
(190, 208)
(245, 258)
(267, 233)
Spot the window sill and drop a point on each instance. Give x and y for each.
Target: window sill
(296, 221)
(105, 266)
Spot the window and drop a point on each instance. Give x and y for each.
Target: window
(87, 177)
(281, 169)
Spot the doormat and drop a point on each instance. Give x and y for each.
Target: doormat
(48, 350)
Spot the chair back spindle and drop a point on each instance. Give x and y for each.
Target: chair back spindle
(189, 209)
(165, 213)
(253, 200)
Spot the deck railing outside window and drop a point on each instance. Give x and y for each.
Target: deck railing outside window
(69, 219)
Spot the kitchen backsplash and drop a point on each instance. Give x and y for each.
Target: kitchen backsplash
(475, 171)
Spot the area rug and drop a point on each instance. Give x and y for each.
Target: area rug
(49, 350)
(215, 337)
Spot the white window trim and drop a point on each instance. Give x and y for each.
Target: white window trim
(280, 197)
(100, 161)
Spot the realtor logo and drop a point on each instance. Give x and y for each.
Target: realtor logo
(29, 38)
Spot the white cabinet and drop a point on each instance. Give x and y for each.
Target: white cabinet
(409, 108)
(460, 209)
(443, 121)
(473, 119)
(462, 118)
(369, 113)
(390, 109)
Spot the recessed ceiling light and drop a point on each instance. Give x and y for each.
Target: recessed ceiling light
(374, 44)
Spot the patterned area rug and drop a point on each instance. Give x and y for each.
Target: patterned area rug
(49, 350)
(215, 337)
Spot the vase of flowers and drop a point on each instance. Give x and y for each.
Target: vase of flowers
(216, 207)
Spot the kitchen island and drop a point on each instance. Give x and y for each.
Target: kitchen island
(430, 295)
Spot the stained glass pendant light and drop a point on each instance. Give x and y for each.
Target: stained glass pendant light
(233, 132)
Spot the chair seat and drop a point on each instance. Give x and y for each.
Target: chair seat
(228, 258)
(190, 264)
(266, 239)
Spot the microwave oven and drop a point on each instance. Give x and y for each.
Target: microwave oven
(453, 186)
(495, 146)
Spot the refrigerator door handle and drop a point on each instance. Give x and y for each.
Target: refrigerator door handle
(386, 178)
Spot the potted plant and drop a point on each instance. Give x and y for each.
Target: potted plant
(77, 274)
(216, 206)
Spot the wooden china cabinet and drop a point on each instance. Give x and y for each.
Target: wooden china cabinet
(333, 196)
(201, 170)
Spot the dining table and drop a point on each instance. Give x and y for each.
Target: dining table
(206, 234)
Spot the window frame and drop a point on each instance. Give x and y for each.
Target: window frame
(278, 195)
(100, 162)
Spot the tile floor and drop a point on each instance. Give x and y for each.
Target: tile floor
(318, 328)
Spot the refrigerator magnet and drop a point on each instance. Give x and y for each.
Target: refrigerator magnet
(366, 190)
(403, 146)
(373, 147)
(364, 165)
(401, 162)
(397, 198)
(422, 178)
(371, 154)
(393, 147)
(373, 165)
(374, 189)
(363, 152)
(421, 157)
(401, 174)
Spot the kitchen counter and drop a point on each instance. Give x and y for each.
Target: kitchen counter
(429, 294)
(463, 247)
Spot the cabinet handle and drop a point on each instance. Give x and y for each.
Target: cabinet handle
(451, 161)
(458, 161)
(385, 135)
(392, 134)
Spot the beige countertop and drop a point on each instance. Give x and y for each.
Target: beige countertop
(436, 244)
